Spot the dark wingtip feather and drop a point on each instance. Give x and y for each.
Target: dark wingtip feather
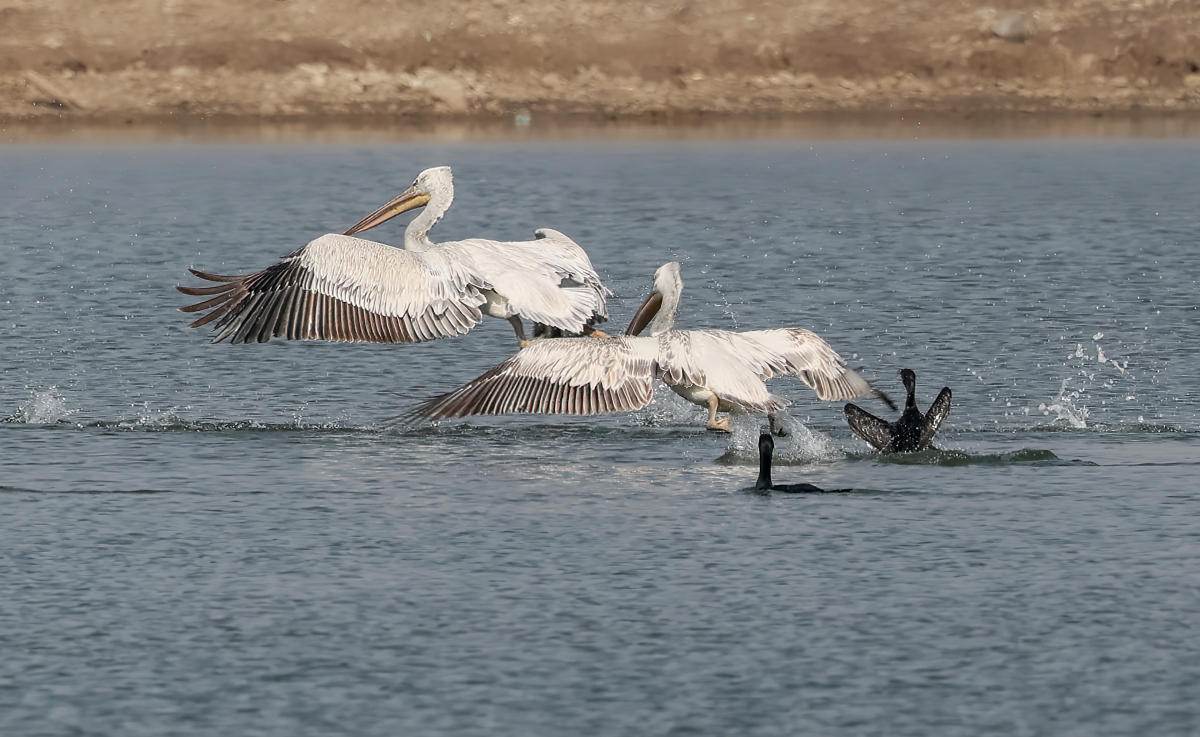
(886, 399)
(214, 277)
(205, 291)
(879, 393)
(206, 304)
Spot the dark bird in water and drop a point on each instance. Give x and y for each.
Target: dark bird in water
(913, 431)
(766, 446)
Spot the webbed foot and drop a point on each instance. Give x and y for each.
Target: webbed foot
(721, 425)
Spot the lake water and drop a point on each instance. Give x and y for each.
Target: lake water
(215, 539)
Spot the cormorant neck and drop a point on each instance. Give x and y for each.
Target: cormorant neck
(910, 386)
(764, 465)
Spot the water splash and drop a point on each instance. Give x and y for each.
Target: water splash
(45, 408)
(148, 418)
(1067, 406)
(725, 305)
(668, 408)
(166, 423)
(1097, 394)
(800, 445)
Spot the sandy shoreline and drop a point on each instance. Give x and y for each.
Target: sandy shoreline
(134, 61)
(907, 126)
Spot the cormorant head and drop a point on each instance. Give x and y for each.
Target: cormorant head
(766, 444)
(910, 380)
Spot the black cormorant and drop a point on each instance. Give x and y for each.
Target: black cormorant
(766, 446)
(913, 431)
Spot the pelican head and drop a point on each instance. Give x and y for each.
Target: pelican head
(436, 184)
(658, 311)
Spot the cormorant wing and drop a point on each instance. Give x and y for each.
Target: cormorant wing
(933, 418)
(870, 428)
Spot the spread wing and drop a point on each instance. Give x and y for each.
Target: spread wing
(933, 418)
(734, 365)
(564, 254)
(346, 289)
(805, 354)
(721, 362)
(870, 428)
(576, 376)
(549, 280)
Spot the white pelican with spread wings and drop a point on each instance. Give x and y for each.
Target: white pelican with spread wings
(721, 370)
(343, 288)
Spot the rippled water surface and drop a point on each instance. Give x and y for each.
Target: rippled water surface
(215, 539)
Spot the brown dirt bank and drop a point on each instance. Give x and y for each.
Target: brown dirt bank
(665, 59)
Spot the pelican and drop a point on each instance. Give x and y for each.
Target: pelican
(721, 370)
(913, 431)
(343, 288)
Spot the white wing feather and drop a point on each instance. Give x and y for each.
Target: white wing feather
(584, 376)
(388, 280)
(805, 354)
(734, 365)
(711, 359)
(340, 287)
(346, 289)
(578, 376)
(549, 280)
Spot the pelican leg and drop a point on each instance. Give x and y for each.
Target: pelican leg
(592, 332)
(541, 330)
(519, 329)
(713, 424)
(778, 428)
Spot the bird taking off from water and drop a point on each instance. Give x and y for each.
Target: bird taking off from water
(718, 369)
(913, 431)
(344, 288)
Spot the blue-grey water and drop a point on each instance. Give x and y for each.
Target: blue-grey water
(206, 539)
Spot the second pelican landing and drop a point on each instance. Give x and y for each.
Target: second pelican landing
(721, 370)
